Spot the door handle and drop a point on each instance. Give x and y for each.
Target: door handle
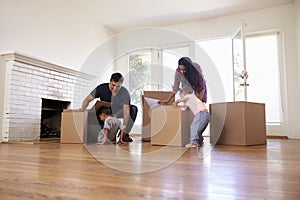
(244, 84)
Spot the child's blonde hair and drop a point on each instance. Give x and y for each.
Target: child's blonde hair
(186, 90)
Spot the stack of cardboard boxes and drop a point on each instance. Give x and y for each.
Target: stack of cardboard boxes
(232, 123)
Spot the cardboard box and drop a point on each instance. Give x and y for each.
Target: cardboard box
(237, 123)
(170, 125)
(81, 126)
(73, 126)
(146, 120)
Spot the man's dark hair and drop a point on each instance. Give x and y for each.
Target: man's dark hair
(117, 77)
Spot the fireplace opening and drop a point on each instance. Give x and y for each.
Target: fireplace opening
(51, 118)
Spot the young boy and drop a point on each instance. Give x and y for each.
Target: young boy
(201, 119)
(111, 126)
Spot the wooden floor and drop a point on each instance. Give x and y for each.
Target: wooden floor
(141, 171)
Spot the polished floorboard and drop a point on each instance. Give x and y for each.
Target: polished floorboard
(141, 171)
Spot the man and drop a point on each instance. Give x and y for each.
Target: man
(119, 97)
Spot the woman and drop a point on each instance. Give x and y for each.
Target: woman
(188, 74)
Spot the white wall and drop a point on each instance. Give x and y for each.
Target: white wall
(297, 7)
(282, 19)
(55, 31)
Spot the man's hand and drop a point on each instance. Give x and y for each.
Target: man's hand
(163, 102)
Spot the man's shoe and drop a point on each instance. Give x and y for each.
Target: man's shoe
(126, 138)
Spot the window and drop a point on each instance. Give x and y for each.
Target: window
(139, 80)
(262, 63)
(263, 74)
(219, 51)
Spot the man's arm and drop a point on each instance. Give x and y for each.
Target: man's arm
(126, 113)
(86, 101)
(123, 132)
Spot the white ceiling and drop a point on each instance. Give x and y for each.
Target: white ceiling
(120, 15)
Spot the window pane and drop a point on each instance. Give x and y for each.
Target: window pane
(139, 80)
(263, 71)
(170, 64)
(219, 51)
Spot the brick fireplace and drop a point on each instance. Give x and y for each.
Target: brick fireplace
(24, 83)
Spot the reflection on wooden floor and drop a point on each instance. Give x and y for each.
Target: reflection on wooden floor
(141, 171)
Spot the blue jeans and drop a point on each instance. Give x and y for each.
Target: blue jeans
(198, 126)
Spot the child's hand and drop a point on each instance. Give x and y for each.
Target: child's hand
(104, 139)
(101, 142)
(175, 103)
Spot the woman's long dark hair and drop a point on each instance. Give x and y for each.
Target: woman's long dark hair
(192, 75)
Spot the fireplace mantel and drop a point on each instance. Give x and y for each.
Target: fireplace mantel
(22, 58)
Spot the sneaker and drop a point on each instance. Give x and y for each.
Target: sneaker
(126, 138)
(199, 144)
(192, 145)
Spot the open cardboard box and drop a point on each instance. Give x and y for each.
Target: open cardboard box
(146, 119)
(81, 126)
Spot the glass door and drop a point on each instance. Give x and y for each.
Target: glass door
(260, 80)
(240, 74)
(265, 77)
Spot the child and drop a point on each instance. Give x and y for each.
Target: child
(111, 126)
(201, 119)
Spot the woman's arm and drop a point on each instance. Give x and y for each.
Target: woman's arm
(200, 94)
(167, 101)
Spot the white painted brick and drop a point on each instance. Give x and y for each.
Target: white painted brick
(44, 70)
(54, 73)
(29, 76)
(57, 86)
(38, 73)
(27, 85)
(19, 64)
(49, 76)
(52, 89)
(59, 78)
(71, 84)
(63, 75)
(26, 70)
(72, 77)
(53, 81)
(22, 107)
(22, 88)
